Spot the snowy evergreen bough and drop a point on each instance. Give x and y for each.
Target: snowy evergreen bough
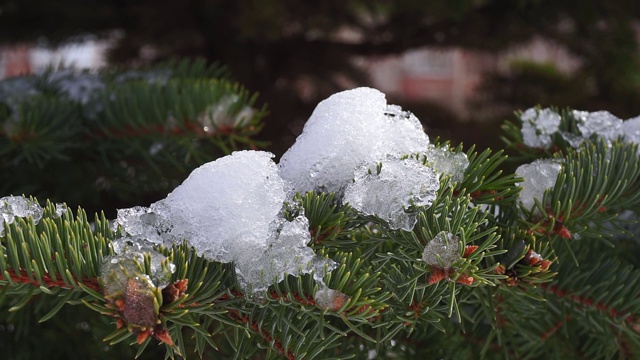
(365, 240)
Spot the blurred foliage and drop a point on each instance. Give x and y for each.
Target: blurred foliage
(121, 137)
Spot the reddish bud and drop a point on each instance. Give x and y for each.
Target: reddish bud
(469, 249)
(162, 334)
(437, 275)
(142, 337)
(466, 280)
(564, 233)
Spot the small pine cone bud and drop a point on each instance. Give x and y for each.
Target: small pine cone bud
(138, 305)
(466, 280)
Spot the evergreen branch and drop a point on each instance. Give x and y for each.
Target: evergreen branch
(585, 192)
(484, 182)
(11, 276)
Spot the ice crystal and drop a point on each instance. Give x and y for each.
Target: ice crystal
(140, 222)
(61, 209)
(442, 251)
(447, 162)
(602, 123)
(18, 206)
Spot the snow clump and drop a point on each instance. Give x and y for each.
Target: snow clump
(390, 192)
(347, 130)
(538, 126)
(231, 210)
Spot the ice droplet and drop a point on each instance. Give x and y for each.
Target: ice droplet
(127, 249)
(538, 176)
(18, 206)
(346, 130)
(442, 251)
(330, 299)
(61, 209)
(538, 126)
(390, 193)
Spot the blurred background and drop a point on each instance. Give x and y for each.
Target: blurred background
(461, 66)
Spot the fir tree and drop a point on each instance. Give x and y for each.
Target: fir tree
(475, 266)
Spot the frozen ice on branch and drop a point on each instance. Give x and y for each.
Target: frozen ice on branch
(538, 126)
(18, 206)
(447, 162)
(442, 251)
(352, 132)
(602, 123)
